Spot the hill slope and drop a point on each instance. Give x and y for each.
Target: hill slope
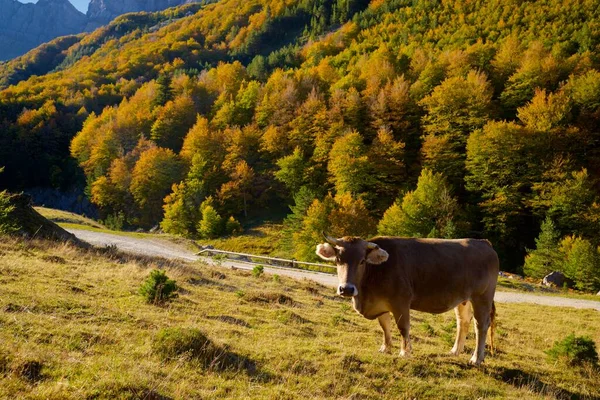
(26, 26)
(390, 117)
(101, 12)
(74, 325)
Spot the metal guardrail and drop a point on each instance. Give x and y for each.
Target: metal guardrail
(273, 261)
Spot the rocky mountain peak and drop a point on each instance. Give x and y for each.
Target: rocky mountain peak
(25, 26)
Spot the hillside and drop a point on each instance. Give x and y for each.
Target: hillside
(101, 12)
(61, 53)
(74, 326)
(398, 117)
(24, 26)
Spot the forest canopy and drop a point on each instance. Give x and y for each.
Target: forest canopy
(420, 118)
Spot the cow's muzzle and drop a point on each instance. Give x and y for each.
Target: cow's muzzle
(347, 290)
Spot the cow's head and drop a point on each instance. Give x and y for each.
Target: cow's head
(351, 255)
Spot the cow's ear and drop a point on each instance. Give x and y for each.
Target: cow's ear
(326, 252)
(377, 256)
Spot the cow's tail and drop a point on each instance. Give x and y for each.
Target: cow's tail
(492, 328)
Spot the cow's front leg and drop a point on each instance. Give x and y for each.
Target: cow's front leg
(403, 322)
(385, 320)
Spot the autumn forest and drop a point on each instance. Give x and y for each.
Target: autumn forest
(411, 118)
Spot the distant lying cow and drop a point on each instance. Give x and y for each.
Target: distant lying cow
(394, 275)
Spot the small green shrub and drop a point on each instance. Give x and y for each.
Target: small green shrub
(276, 278)
(574, 350)
(258, 270)
(211, 225)
(233, 227)
(8, 224)
(158, 288)
(115, 221)
(172, 343)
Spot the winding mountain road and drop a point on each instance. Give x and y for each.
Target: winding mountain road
(166, 249)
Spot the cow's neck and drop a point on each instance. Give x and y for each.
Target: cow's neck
(369, 302)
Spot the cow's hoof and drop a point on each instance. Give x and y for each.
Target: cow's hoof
(385, 349)
(475, 362)
(454, 352)
(404, 353)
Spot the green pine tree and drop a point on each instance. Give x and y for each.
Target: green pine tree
(211, 224)
(165, 92)
(546, 257)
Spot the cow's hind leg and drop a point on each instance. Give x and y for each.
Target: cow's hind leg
(385, 320)
(482, 309)
(464, 315)
(403, 321)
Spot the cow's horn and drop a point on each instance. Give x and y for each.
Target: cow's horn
(372, 246)
(331, 240)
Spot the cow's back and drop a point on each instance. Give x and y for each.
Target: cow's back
(437, 274)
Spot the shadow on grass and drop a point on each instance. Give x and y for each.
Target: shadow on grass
(226, 360)
(521, 379)
(229, 320)
(191, 345)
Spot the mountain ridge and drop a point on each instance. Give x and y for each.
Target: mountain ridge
(24, 26)
(103, 11)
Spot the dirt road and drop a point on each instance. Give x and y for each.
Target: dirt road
(166, 249)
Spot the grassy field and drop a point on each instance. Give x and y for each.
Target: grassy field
(72, 325)
(262, 240)
(66, 217)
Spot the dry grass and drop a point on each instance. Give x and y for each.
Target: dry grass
(66, 217)
(72, 326)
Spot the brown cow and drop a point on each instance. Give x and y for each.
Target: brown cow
(394, 275)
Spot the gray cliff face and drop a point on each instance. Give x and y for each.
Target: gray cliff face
(25, 26)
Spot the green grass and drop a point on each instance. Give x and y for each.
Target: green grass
(261, 240)
(73, 326)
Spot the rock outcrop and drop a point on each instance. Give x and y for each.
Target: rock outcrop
(31, 224)
(557, 279)
(25, 26)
